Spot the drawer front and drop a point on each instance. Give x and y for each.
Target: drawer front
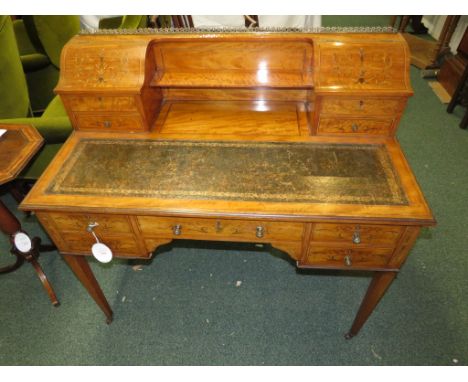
(361, 66)
(219, 229)
(331, 125)
(100, 103)
(107, 224)
(347, 258)
(360, 106)
(109, 122)
(121, 245)
(357, 234)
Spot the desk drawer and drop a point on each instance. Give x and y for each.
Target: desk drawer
(107, 224)
(109, 122)
(360, 106)
(220, 229)
(121, 245)
(357, 234)
(332, 125)
(101, 103)
(347, 258)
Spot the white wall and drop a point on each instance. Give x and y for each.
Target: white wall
(436, 23)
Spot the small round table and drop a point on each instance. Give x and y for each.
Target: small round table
(18, 144)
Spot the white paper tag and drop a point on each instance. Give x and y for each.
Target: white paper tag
(2, 131)
(22, 242)
(101, 252)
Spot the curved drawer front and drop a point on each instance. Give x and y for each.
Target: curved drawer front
(358, 66)
(219, 229)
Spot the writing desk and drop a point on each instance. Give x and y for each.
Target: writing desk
(259, 137)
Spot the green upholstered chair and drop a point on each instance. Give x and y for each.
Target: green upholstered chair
(53, 125)
(40, 41)
(123, 22)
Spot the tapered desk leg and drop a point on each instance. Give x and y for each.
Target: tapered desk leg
(83, 272)
(379, 284)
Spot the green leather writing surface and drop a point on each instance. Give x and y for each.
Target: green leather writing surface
(249, 171)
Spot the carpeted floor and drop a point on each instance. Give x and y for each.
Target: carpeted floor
(225, 304)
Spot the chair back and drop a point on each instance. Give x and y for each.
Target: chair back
(14, 96)
(52, 33)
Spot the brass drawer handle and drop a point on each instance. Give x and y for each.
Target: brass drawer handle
(348, 261)
(354, 127)
(356, 236)
(107, 123)
(177, 229)
(260, 232)
(91, 226)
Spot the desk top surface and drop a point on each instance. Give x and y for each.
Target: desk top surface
(145, 174)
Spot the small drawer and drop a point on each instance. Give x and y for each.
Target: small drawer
(109, 122)
(330, 125)
(347, 258)
(219, 229)
(360, 106)
(357, 234)
(100, 103)
(107, 224)
(121, 245)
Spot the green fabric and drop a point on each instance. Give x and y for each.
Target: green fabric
(41, 75)
(14, 100)
(25, 45)
(34, 61)
(131, 22)
(110, 22)
(41, 85)
(54, 32)
(31, 29)
(40, 161)
(123, 22)
(55, 109)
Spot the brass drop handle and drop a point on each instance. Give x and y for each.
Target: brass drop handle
(260, 232)
(347, 260)
(356, 236)
(355, 127)
(107, 123)
(177, 229)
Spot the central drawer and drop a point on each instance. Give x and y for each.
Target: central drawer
(219, 229)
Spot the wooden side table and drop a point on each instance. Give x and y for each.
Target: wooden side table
(18, 144)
